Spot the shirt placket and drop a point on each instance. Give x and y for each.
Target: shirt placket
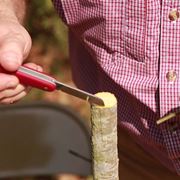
(169, 77)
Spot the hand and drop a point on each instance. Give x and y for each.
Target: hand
(15, 45)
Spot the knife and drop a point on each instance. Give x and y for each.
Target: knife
(37, 79)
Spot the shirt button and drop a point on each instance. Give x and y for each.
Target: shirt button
(171, 76)
(173, 15)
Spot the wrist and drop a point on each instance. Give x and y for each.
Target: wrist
(8, 16)
(12, 10)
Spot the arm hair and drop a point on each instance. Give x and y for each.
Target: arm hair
(13, 9)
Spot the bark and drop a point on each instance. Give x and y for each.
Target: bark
(104, 138)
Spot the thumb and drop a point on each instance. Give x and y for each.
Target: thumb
(11, 54)
(10, 61)
(13, 49)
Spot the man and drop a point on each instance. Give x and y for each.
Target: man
(128, 47)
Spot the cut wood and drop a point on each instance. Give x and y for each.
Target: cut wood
(104, 138)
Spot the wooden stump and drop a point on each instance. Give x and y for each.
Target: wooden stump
(104, 138)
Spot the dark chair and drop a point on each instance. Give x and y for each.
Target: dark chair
(43, 139)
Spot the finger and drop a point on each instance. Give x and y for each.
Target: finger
(16, 98)
(12, 52)
(34, 66)
(12, 91)
(8, 81)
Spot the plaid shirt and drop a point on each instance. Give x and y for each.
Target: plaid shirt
(132, 49)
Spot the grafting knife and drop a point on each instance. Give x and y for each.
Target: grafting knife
(31, 77)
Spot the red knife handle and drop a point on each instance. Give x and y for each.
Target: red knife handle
(34, 78)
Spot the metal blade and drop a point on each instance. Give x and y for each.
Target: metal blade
(79, 93)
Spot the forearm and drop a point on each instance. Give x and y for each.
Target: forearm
(13, 9)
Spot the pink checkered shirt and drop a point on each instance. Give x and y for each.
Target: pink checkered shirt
(132, 49)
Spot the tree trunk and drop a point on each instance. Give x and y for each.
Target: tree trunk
(104, 138)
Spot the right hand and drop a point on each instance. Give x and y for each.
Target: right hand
(15, 45)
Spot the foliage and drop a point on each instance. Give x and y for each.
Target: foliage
(50, 50)
(46, 27)
(50, 47)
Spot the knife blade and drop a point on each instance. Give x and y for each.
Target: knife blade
(37, 79)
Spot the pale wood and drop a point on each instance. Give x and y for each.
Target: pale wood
(104, 138)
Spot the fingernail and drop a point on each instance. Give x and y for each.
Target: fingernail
(39, 68)
(11, 102)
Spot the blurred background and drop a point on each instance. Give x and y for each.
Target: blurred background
(50, 50)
